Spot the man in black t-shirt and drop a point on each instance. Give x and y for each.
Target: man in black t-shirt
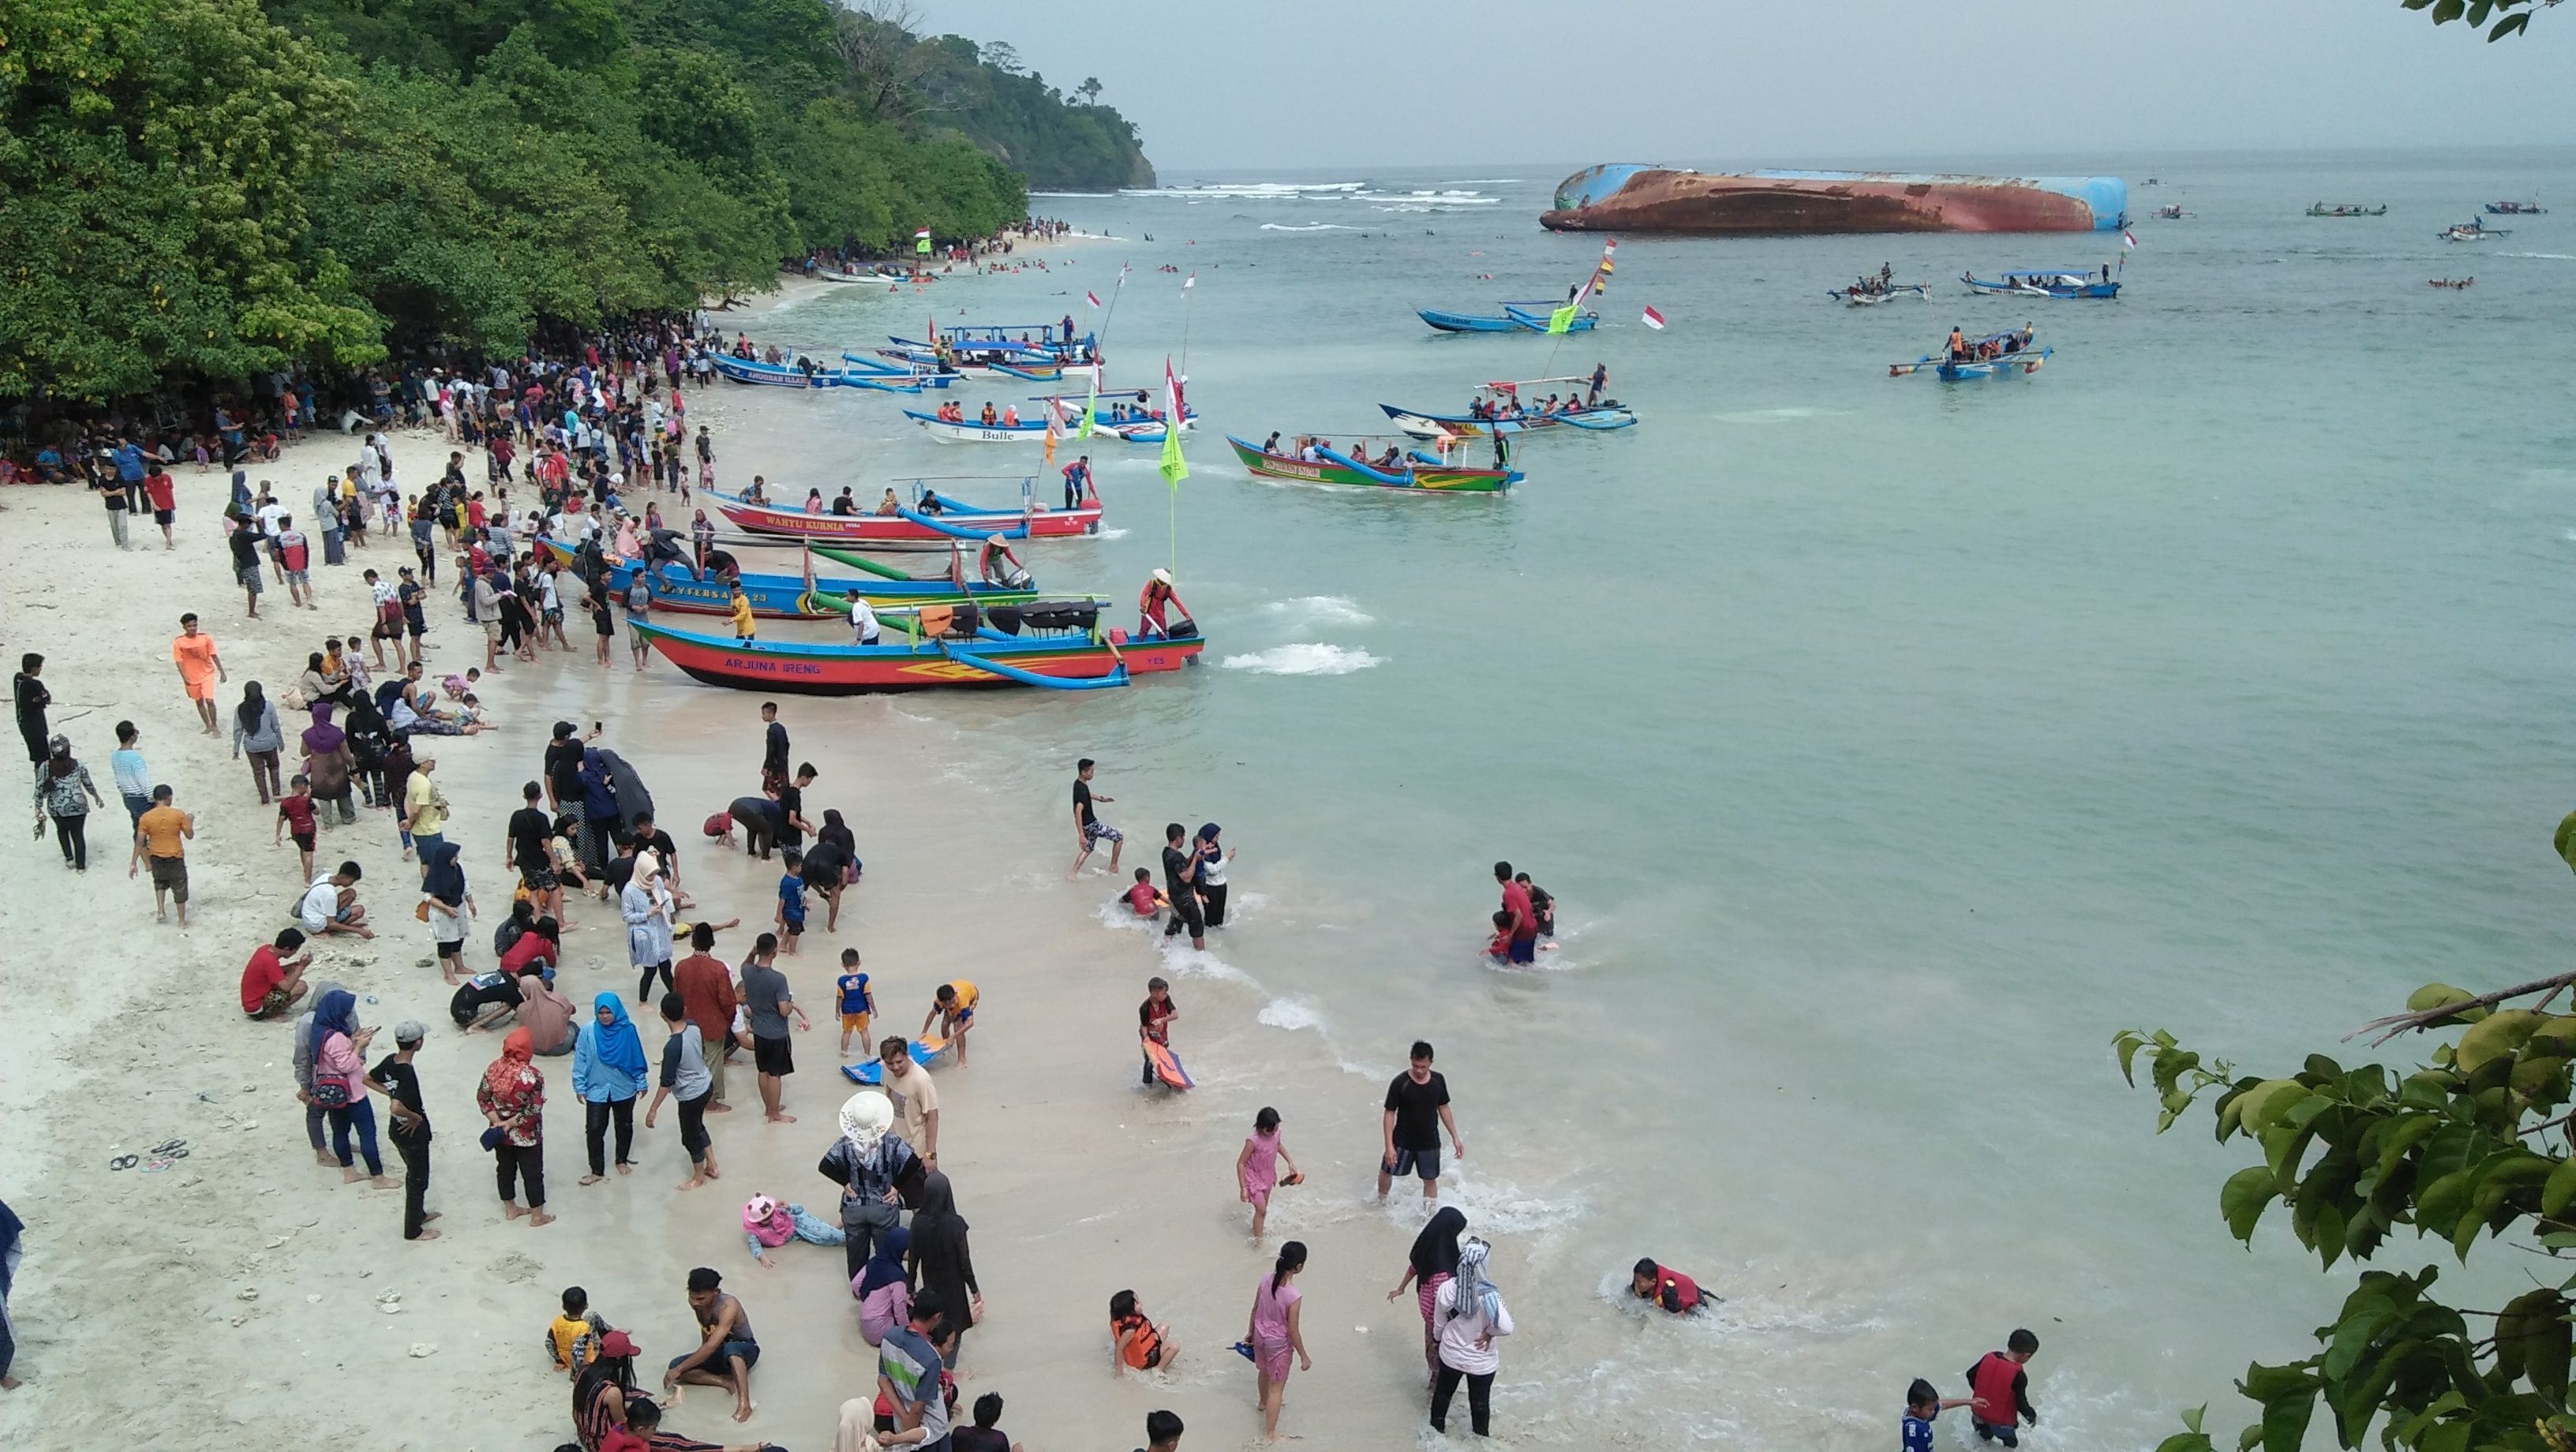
(246, 570)
(773, 753)
(1088, 829)
(1180, 869)
(394, 1078)
(792, 825)
(650, 838)
(529, 830)
(1417, 1105)
(563, 769)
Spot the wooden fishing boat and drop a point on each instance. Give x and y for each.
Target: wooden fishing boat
(2451, 282)
(2012, 357)
(1872, 297)
(2348, 209)
(2171, 212)
(1503, 413)
(914, 523)
(1417, 471)
(2054, 282)
(1519, 317)
(1136, 426)
(2531, 208)
(974, 431)
(2472, 230)
(796, 597)
(1071, 657)
(789, 375)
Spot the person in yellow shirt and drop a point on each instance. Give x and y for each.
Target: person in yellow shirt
(742, 626)
(953, 1009)
(424, 809)
(574, 1336)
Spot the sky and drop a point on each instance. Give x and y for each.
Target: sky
(1223, 86)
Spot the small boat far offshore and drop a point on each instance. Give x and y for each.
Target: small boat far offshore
(1997, 355)
(1520, 317)
(1635, 197)
(2531, 208)
(2055, 282)
(2472, 230)
(2348, 209)
(1870, 297)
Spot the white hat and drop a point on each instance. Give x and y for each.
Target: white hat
(1163, 575)
(865, 1118)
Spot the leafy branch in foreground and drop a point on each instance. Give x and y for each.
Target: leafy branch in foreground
(2472, 1146)
(2510, 16)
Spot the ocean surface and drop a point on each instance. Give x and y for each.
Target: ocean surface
(1888, 744)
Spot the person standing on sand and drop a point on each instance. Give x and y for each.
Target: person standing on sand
(684, 1074)
(1088, 829)
(447, 904)
(1417, 1105)
(133, 778)
(1428, 1267)
(31, 698)
(773, 753)
(201, 668)
(608, 1069)
(64, 792)
(11, 1230)
(871, 1165)
(395, 1079)
(647, 907)
(512, 1097)
(705, 986)
(244, 544)
(424, 810)
(940, 1258)
(340, 1085)
(161, 839)
(256, 732)
(727, 1354)
(766, 995)
(1274, 1332)
(916, 1100)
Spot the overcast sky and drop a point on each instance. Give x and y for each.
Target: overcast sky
(1223, 85)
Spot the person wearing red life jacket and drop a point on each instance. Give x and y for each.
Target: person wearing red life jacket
(1667, 1288)
(1999, 1391)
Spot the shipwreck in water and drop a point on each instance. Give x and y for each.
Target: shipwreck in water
(1634, 197)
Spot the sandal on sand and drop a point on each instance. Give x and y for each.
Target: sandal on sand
(124, 1162)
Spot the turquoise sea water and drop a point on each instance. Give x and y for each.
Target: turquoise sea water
(1888, 744)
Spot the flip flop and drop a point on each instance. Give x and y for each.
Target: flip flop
(168, 1147)
(124, 1162)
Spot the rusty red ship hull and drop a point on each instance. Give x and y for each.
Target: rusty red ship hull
(1627, 197)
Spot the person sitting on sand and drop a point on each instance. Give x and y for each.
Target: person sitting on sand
(603, 1391)
(272, 982)
(725, 1358)
(330, 905)
(1136, 1341)
(768, 1223)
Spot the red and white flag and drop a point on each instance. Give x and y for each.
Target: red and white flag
(1189, 282)
(1094, 297)
(2127, 240)
(1654, 319)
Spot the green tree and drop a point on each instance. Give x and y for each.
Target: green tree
(152, 178)
(2509, 16)
(2471, 1147)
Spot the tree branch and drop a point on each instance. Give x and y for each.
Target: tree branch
(2398, 1023)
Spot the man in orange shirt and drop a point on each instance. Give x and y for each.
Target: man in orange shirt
(199, 668)
(160, 837)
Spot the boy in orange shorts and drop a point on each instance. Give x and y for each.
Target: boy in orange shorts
(857, 1002)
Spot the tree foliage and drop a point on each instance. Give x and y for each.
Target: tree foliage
(2471, 1148)
(218, 188)
(2508, 17)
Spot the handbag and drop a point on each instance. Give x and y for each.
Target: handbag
(420, 910)
(331, 1093)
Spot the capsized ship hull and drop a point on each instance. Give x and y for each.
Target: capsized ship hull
(1629, 197)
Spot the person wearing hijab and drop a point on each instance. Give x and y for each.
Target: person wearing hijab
(939, 1256)
(884, 1286)
(329, 762)
(256, 731)
(512, 1097)
(647, 907)
(339, 1079)
(447, 904)
(608, 1071)
(877, 1172)
(1212, 858)
(300, 1055)
(1468, 1314)
(599, 817)
(64, 792)
(1430, 1265)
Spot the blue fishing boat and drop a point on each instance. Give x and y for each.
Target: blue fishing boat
(794, 597)
(805, 375)
(2057, 282)
(1498, 409)
(1516, 317)
(1996, 355)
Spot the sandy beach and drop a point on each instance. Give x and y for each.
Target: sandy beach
(266, 1303)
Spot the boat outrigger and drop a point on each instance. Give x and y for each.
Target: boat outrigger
(953, 425)
(1996, 355)
(1314, 460)
(1516, 317)
(932, 518)
(806, 373)
(2531, 208)
(996, 579)
(2472, 230)
(1499, 408)
(1040, 353)
(2348, 209)
(2056, 282)
(1052, 644)
(1141, 423)
(1871, 289)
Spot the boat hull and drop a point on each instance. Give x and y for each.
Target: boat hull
(2010, 288)
(849, 670)
(780, 375)
(1422, 479)
(1627, 197)
(864, 528)
(783, 597)
(1467, 426)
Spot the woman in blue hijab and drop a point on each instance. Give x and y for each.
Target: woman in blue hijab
(339, 1082)
(608, 1071)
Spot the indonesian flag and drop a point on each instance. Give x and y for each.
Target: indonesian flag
(1093, 297)
(2127, 241)
(1654, 319)
(1189, 282)
(921, 235)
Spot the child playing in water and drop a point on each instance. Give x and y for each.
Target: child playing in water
(1923, 1402)
(1257, 1168)
(1138, 1342)
(1144, 898)
(1500, 948)
(857, 1002)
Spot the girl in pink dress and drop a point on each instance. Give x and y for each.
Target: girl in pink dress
(1256, 1170)
(1274, 1333)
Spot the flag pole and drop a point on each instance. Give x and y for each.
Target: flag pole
(1189, 291)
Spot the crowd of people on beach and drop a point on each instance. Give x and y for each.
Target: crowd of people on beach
(600, 428)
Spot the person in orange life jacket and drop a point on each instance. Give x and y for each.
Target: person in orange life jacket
(1667, 1288)
(1153, 601)
(2000, 1391)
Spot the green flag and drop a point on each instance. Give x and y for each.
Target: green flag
(921, 242)
(1175, 468)
(1562, 320)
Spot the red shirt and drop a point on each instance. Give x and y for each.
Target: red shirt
(162, 488)
(530, 948)
(707, 991)
(1524, 921)
(298, 812)
(261, 974)
(1141, 898)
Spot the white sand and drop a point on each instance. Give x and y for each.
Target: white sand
(233, 1300)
